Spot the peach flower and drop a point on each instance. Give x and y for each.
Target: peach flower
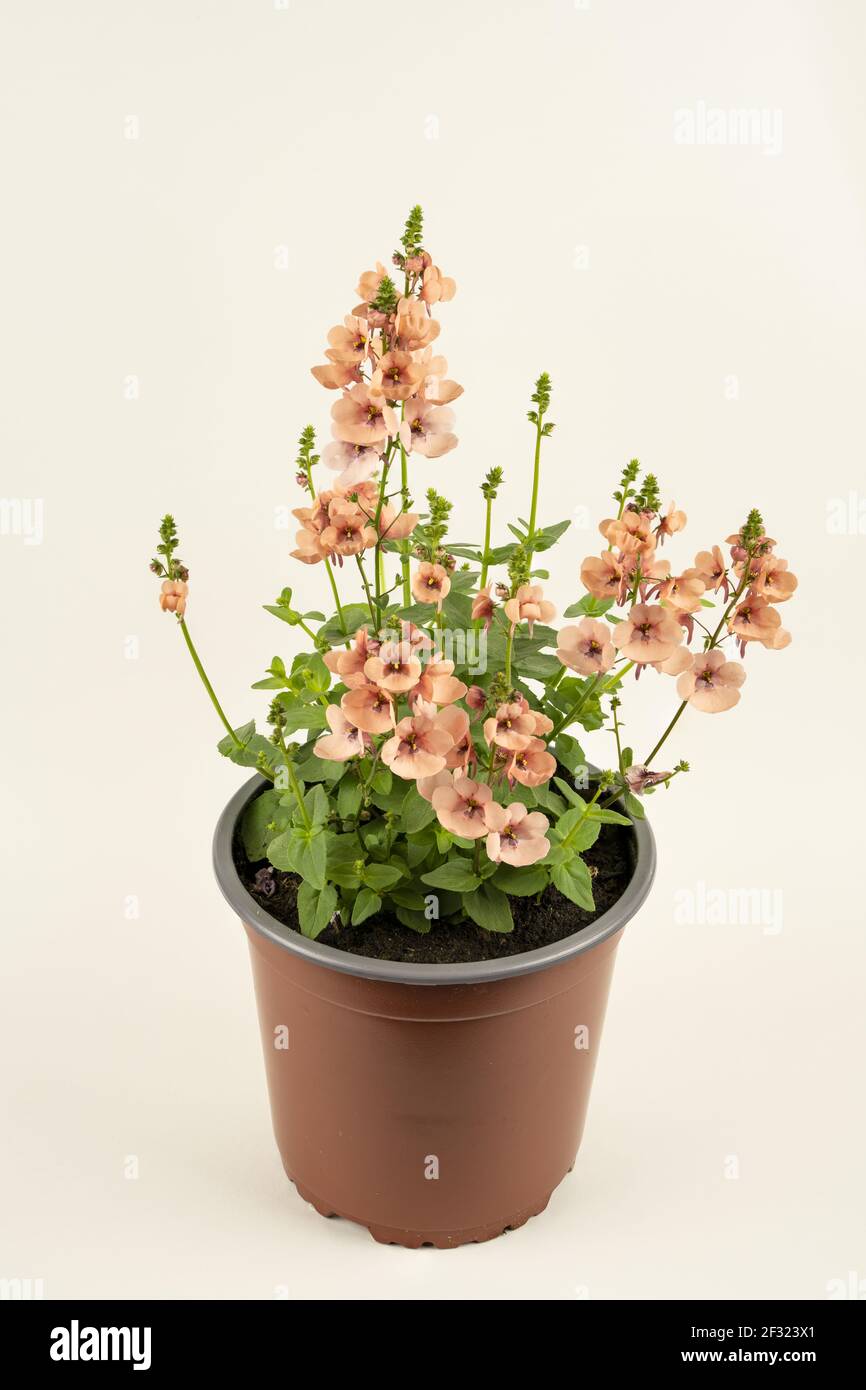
(532, 765)
(512, 726)
(775, 583)
(354, 462)
(414, 328)
(370, 708)
(397, 376)
(456, 721)
(430, 584)
(426, 786)
(426, 429)
(683, 591)
(516, 835)
(344, 741)
(347, 532)
(348, 340)
(530, 606)
(360, 417)
(483, 606)
(172, 598)
(649, 633)
(437, 287)
(713, 682)
(756, 620)
(395, 668)
(333, 375)
(438, 683)
(394, 525)
(602, 575)
(418, 748)
(631, 533)
(671, 522)
(476, 697)
(710, 566)
(461, 807)
(586, 648)
(368, 285)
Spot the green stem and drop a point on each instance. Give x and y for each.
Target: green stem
(509, 644)
(366, 584)
(206, 683)
(485, 556)
(650, 756)
(572, 714)
(340, 614)
(530, 544)
(299, 795)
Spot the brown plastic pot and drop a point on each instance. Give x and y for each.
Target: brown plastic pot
(433, 1104)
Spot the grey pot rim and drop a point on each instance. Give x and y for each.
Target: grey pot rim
(479, 972)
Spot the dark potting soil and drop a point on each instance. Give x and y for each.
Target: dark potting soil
(611, 862)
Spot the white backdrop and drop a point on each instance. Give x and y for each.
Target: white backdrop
(191, 191)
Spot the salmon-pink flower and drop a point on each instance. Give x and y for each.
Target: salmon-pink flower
(397, 376)
(427, 428)
(348, 341)
(430, 584)
(713, 682)
(344, 741)
(476, 698)
(173, 595)
(775, 583)
(438, 683)
(755, 620)
(426, 786)
(586, 648)
(543, 725)
(602, 575)
(347, 532)
(370, 708)
(413, 327)
(461, 807)
(516, 835)
(530, 606)
(711, 567)
(354, 462)
(631, 533)
(361, 417)
(532, 765)
(483, 606)
(683, 591)
(368, 285)
(394, 525)
(418, 748)
(395, 668)
(671, 522)
(456, 721)
(511, 727)
(417, 638)
(435, 387)
(351, 663)
(437, 287)
(649, 633)
(334, 375)
(679, 661)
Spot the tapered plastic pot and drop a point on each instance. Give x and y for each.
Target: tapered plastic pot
(433, 1104)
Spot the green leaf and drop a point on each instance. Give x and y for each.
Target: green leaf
(299, 714)
(589, 607)
(490, 908)
(569, 793)
(415, 811)
(578, 832)
(251, 745)
(634, 806)
(549, 800)
(311, 855)
(608, 817)
(257, 817)
(355, 614)
(383, 780)
(520, 883)
(544, 539)
(456, 874)
(316, 802)
(415, 920)
(366, 903)
(349, 798)
(568, 751)
(381, 876)
(315, 908)
(539, 666)
(574, 880)
(407, 896)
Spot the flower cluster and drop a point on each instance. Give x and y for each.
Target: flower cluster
(439, 774)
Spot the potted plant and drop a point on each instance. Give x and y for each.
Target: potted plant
(432, 877)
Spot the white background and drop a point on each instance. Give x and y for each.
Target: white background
(698, 306)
